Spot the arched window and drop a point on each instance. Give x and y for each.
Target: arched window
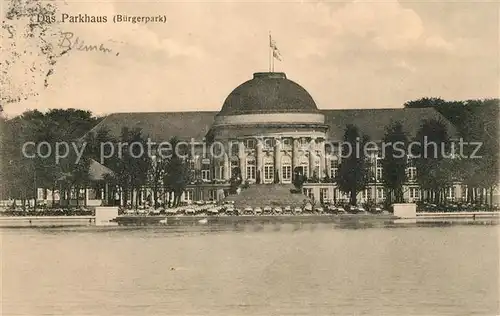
(219, 169)
(268, 169)
(286, 169)
(303, 166)
(250, 165)
(235, 168)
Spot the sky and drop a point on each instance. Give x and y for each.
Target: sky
(350, 54)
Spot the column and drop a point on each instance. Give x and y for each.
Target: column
(322, 160)
(226, 166)
(328, 165)
(295, 154)
(277, 160)
(312, 156)
(258, 157)
(242, 158)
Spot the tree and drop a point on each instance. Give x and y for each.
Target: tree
(235, 180)
(476, 121)
(434, 146)
(20, 169)
(425, 103)
(394, 162)
(352, 174)
(481, 127)
(157, 171)
(177, 173)
(25, 175)
(298, 179)
(133, 165)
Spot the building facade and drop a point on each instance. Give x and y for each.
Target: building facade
(268, 127)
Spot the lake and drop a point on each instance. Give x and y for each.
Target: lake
(286, 269)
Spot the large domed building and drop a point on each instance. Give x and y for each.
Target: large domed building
(270, 125)
(268, 128)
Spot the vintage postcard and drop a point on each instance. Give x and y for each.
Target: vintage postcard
(249, 157)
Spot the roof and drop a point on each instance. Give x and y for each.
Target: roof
(97, 172)
(372, 122)
(268, 92)
(161, 126)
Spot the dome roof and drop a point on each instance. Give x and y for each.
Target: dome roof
(268, 92)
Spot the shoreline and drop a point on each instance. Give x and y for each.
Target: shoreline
(181, 220)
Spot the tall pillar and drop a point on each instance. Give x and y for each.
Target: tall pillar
(259, 155)
(295, 154)
(277, 160)
(242, 158)
(226, 166)
(312, 157)
(322, 160)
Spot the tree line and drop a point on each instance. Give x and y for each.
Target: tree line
(475, 120)
(21, 176)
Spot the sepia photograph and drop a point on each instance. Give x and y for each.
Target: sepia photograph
(249, 158)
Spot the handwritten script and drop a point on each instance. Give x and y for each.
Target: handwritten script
(70, 42)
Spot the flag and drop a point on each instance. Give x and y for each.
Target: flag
(276, 51)
(276, 54)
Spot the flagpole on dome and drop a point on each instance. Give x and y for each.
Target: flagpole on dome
(274, 52)
(270, 51)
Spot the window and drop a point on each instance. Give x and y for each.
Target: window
(219, 170)
(188, 195)
(308, 192)
(286, 173)
(250, 169)
(250, 143)
(205, 174)
(340, 195)
(411, 173)
(464, 192)
(212, 195)
(286, 169)
(366, 194)
(287, 143)
(235, 149)
(235, 165)
(380, 193)
(303, 167)
(205, 169)
(414, 193)
(379, 174)
(323, 194)
(216, 149)
(451, 193)
(334, 167)
(304, 142)
(269, 143)
(268, 171)
(191, 164)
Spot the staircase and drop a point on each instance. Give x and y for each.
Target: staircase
(267, 195)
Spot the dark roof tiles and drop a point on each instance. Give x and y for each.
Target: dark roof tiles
(268, 92)
(161, 126)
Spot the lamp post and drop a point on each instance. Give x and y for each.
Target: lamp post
(35, 189)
